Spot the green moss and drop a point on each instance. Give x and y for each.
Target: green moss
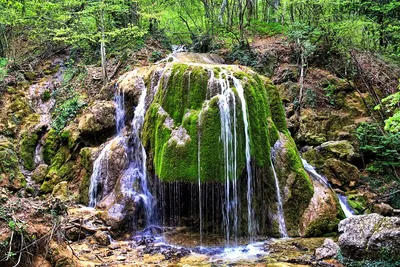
(357, 202)
(322, 227)
(276, 106)
(86, 161)
(257, 106)
(51, 145)
(27, 148)
(175, 96)
(60, 170)
(198, 81)
(84, 189)
(9, 166)
(301, 188)
(211, 148)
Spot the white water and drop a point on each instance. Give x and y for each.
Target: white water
(250, 213)
(322, 179)
(229, 141)
(234, 254)
(281, 217)
(348, 212)
(134, 181)
(98, 178)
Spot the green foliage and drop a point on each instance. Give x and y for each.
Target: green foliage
(330, 93)
(66, 112)
(310, 98)
(3, 68)
(46, 96)
(155, 56)
(387, 260)
(244, 56)
(392, 105)
(380, 150)
(266, 28)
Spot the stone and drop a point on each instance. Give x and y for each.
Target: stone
(329, 249)
(60, 191)
(39, 174)
(383, 209)
(97, 118)
(322, 214)
(371, 236)
(102, 238)
(341, 173)
(296, 186)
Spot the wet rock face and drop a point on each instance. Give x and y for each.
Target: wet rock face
(334, 159)
(370, 237)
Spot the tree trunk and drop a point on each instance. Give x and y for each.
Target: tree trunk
(103, 51)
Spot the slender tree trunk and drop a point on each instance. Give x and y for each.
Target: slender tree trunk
(103, 50)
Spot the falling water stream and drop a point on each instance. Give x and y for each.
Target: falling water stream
(342, 199)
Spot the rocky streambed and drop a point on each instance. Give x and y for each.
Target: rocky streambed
(92, 244)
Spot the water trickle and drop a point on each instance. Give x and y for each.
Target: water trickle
(281, 217)
(322, 179)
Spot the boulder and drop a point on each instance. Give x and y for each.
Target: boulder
(296, 186)
(39, 174)
(102, 238)
(370, 237)
(341, 173)
(383, 209)
(322, 214)
(98, 117)
(332, 160)
(329, 249)
(60, 191)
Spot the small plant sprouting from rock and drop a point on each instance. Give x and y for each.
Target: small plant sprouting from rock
(67, 111)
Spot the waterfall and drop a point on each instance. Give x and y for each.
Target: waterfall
(250, 213)
(322, 179)
(134, 180)
(281, 217)
(227, 107)
(229, 141)
(96, 181)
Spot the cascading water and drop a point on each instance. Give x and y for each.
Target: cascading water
(250, 213)
(229, 141)
(281, 217)
(97, 178)
(134, 180)
(342, 199)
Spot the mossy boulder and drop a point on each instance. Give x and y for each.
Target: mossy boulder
(323, 214)
(10, 174)
(341, 173)
(60, 191)
(29, 138)
(61, 169)
(39, 174)
(51, 145)
(295, 183)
